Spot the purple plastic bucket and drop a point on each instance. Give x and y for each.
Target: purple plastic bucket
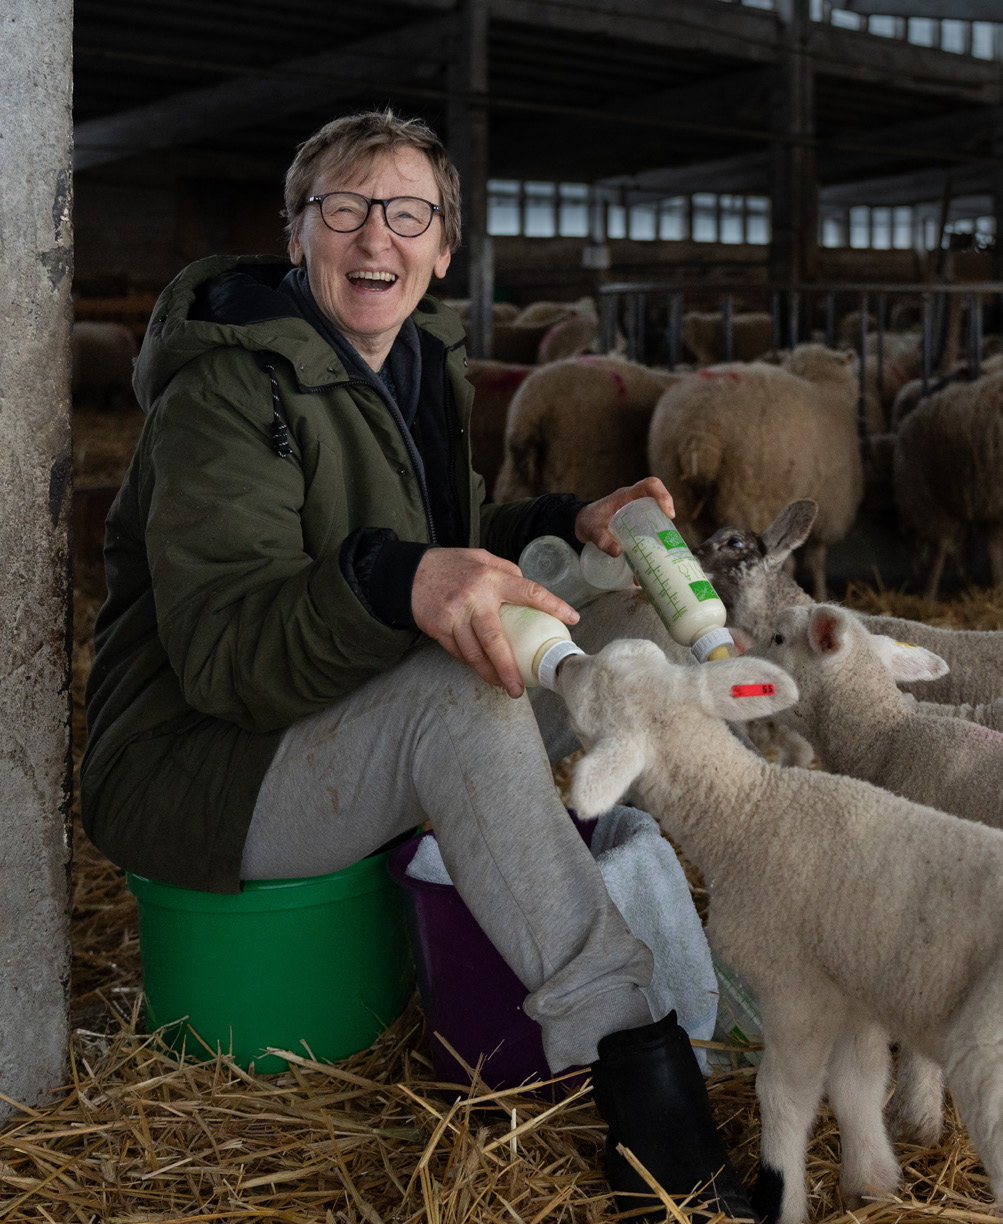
(468, 992)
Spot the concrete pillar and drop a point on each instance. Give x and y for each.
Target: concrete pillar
(36, 258)
(468, 145)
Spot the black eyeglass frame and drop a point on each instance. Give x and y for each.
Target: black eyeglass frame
(319, 201)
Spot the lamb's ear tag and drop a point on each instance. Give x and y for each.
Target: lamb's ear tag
(752, 690)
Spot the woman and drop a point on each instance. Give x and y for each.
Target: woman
(300, 656)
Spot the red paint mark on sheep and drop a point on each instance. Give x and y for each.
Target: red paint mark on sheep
(898, 372)
(976, 729)
(732, 374)
(592, 359)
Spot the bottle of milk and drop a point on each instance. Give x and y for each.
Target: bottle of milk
(539, 642)
(671, 576)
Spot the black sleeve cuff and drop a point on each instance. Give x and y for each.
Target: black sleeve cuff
(551, 514)
(380, 569)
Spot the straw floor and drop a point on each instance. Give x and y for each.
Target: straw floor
(136, 1135)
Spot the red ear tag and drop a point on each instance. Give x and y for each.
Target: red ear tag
(752, 690)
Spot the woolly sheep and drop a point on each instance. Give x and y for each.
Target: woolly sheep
(858, 722)
(947, 463)
(747, 571)
(737, 442)
(579, 426)
(569, 337)
(824, 892)
(703, 334)
(501, 312)
(495, 383)
(851, 712)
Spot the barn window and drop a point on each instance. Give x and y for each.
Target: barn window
(503, 207)
(573, 210)
(673, 219)
(540, 201)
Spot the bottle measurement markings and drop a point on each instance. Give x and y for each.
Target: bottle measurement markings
(652, 568)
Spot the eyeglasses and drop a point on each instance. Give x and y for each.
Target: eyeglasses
(344, 212)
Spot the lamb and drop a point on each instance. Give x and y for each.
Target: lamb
(946, 471)
(858, 722)
(736, 443)
(579, 426)
(824, 894)
(747, 571)
(703, 334)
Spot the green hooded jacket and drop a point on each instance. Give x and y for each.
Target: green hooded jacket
(228, 616)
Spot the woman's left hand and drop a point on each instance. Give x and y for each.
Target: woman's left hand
(592, 522)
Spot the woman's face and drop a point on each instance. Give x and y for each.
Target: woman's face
(369, 312)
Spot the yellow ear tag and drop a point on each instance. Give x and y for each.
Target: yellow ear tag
(907, 645)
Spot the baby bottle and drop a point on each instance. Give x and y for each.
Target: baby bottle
(672, 579)
(539, 642)
(603, 572)
(553, 563)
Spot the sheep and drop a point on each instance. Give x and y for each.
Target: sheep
(501, 312)
(858, 722)
(747, 571)
(946, 471)
(569, 337)
(494, 383)
(549, 313)
(579, 426)
(518, 342)
(736, 442)
(703, 334)
(851, 712)
(825, 894)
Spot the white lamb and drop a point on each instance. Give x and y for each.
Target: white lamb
(747, 571)
(853, 715)
(826, 894)
(737, 442)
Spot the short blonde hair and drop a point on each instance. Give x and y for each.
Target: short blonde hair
(351, 144)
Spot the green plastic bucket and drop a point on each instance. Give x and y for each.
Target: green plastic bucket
(322, 961)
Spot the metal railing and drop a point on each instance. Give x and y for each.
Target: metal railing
(650, 317)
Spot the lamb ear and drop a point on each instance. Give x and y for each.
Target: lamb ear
(789, 529)
(826, 629)
(906, 662)
(604, 774)
(742, 689)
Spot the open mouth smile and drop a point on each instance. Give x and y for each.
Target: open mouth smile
(372, 282)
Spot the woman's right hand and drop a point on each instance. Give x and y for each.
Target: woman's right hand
(455, 599)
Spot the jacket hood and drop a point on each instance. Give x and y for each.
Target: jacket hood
(234, 301)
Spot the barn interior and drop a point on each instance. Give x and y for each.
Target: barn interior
(831, 174)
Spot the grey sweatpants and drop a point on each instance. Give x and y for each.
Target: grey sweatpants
(429, 740)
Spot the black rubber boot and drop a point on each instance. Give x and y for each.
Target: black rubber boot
(648, 1086)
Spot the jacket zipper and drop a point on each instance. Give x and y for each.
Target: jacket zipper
(416, 464)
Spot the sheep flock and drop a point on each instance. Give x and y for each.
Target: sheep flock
(861, 898)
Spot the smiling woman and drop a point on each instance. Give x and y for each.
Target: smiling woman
(302, 653)
(366, 276)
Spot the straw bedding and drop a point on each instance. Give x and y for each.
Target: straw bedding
(138, 1135)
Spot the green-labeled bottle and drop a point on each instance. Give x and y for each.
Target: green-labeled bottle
(671, 576)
